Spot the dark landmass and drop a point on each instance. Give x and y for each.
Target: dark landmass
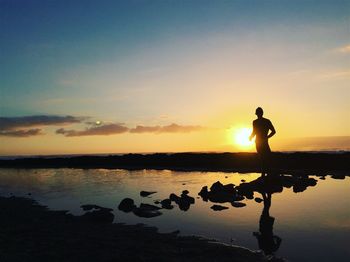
(231, 162)
(31, 232)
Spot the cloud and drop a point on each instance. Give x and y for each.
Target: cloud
(21, 126)
(173, 128)
(344, 49)
(111, 129)
(9, 123)
(336, 75)
(107, 129)
(21, 133)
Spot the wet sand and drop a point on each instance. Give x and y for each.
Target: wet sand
(31, 232)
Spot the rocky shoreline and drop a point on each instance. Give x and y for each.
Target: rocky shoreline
(230, 162)
(32, 232)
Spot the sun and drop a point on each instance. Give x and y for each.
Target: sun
(241, 137)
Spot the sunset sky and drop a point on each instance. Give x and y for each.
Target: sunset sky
(169, 76)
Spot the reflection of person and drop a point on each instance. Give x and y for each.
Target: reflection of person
(261, 128)
(268, 242)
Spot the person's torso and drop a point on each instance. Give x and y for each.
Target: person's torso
(262, 127)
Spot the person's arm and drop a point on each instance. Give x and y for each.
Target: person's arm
(253, 133)
(273, 131)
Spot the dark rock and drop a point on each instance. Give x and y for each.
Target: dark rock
(204, 193)
(157, 202)
(174, 197)
(147, 193)
(258, 200)
(183, 184)
(147, 211)
(166, 204)
(127, 205)
(323, 178)
(238, 204)
(185, 192)
(338, 176)
(301, 183)
(184, 202)
(218, 207)
(220, 193)
(216, 187)
(243, 181)
(149, 207)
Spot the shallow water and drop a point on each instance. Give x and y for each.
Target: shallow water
(314, 225)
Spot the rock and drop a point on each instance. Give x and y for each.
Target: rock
(149, 207)
(166, 204)
(238, 204)
(243, 181)
(204, 193)
(185, 192)
(184, 202)
(183, 184)
(147, 193)
(218, 207)
(216, 187)
(323, 178)
(226, 176)
(127, 205)
(258, 200)
(338, 176)
(301, 183)
(220, 193)
(174, 197)
(147, 211)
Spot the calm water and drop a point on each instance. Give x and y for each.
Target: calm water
(314, 225)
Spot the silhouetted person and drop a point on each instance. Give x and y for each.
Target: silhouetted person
(268, 242)
(261, 129)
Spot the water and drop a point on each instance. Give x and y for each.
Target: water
(313, 225)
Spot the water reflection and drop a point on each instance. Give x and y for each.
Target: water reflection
(306, 225)
(267, 241)
(266, 186)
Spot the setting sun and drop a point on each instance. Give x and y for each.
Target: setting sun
(241, 137)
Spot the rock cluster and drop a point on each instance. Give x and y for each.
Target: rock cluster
(144, 210)
(220, 193)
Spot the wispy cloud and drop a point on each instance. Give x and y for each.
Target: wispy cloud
(112, 129)
(22, 126)
(21, 133)
(336, 75)
(344, 49)
(40, 120)
(107, 129)
(173, 128)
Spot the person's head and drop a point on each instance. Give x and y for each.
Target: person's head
(259, 112)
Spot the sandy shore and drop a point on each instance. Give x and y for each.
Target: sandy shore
(31, 232)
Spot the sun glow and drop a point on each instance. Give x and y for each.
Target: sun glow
(241, 137)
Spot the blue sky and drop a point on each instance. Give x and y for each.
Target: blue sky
(158, 62)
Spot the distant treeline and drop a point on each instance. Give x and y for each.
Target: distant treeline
(248, 162)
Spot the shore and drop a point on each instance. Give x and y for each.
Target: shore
(230, 162)
(31, 232)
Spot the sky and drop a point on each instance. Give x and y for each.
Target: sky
(82, 77)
